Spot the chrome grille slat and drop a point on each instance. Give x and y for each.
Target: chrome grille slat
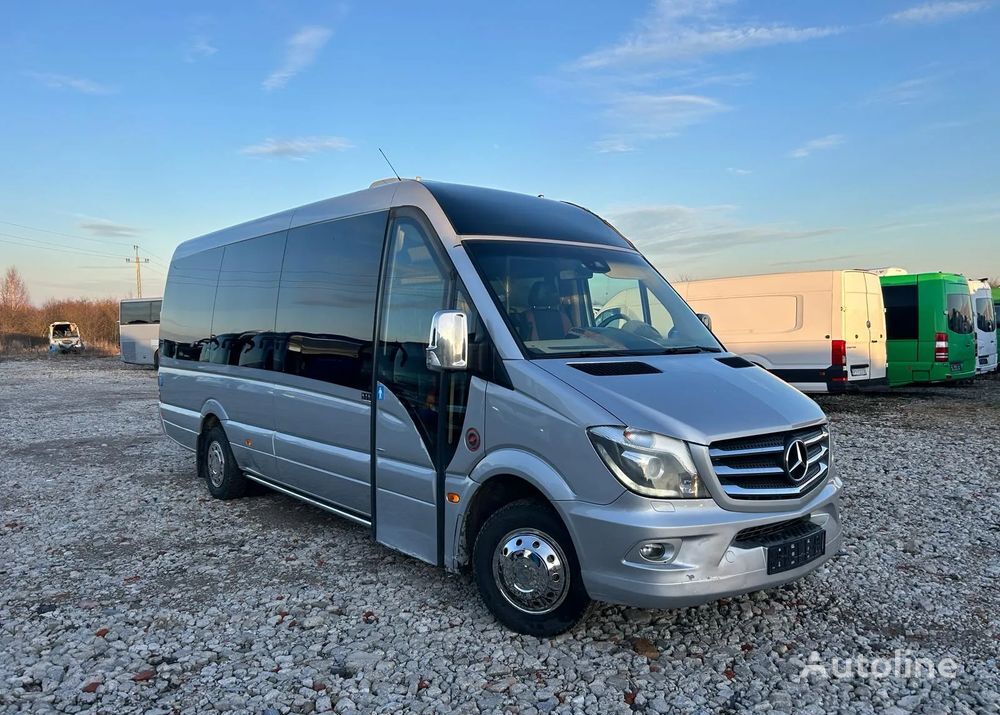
(754, 467)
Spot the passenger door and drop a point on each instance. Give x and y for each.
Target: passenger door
(417, 410)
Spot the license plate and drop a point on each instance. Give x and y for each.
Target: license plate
(983, 361)
(859, 370)
(797, 552)
(956, 367)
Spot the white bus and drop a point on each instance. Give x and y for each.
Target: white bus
(139, 330)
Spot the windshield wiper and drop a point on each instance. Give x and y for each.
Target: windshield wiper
(686, 349)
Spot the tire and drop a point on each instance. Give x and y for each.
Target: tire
(552, 599)
(217, 465)
(156, 360)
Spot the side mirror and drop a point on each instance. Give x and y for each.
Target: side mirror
(448, 346)
(706, 319)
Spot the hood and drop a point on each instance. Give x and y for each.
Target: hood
(696, 398)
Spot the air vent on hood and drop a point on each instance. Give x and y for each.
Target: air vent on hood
(735, 361)
(615, 368)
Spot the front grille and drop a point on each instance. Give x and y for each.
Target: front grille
(755, 468)
(775, 532)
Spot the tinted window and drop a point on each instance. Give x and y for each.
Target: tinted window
(985, 317)
(901, 314)
(139, 312)
(476, 211)
(188, 298)
(243, 323)
(326, 307)
(960, 313)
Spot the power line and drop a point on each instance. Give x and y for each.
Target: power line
(49, 246)
(67, 235)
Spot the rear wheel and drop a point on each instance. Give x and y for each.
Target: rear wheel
(217, 465)
(156, 360)
(527, 571)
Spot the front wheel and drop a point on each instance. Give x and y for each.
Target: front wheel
(527, 571)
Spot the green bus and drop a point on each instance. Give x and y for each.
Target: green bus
(930, 328)
(996, 309)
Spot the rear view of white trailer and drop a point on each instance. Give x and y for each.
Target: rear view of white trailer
(822, 331)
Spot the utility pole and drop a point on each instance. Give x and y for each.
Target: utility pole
(138, 273)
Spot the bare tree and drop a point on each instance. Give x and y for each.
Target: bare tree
(14, 300)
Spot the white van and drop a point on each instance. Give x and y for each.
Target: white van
(986, 325)
(822, 331)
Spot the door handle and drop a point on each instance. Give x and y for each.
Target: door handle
(380, 450)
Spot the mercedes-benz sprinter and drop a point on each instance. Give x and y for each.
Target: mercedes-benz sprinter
(822, 331)
(423, 359)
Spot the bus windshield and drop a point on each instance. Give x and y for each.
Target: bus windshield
(570, 300)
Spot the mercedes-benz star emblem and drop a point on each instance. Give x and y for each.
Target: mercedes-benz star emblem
(796, 460)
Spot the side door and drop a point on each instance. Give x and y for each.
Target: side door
(856, 325)
(418, 411)
(876, 327)
(323, 347)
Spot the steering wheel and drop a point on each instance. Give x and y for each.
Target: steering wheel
(613, 315)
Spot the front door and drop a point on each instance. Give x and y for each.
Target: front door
(415, 407)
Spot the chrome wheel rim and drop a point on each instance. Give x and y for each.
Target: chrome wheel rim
(216, 464)
(531, 572)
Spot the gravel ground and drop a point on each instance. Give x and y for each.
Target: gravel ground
(125, 588)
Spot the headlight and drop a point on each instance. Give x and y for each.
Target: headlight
(649, 463)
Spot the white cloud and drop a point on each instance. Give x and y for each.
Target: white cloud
(77, 84)
(610, 146)
(108, 229)
(297, 148)
(671, 231)
(199, 48)
(904, 93)
(735, 171)
(638, 116)
(932, 12)
(820, 144)
(688, 30)
(301, 51)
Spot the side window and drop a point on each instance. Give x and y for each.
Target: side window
(154, 311)
(135, 313)
(189, 296)
(326, 307)
(902, 320)
(243, 324)
(416, 287)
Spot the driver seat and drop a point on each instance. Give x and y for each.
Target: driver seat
(545, 318)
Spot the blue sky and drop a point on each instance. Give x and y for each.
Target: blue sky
(724, 137)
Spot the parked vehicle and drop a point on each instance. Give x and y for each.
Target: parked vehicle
(65, 338)
(139, 330)
(422, 358)
(822, 331)
(986, 326)
(931, 328)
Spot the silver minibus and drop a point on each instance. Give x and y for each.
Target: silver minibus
(425, 359)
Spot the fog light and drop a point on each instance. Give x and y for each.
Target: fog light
(656, 551)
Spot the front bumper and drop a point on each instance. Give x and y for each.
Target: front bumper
(706, 565)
